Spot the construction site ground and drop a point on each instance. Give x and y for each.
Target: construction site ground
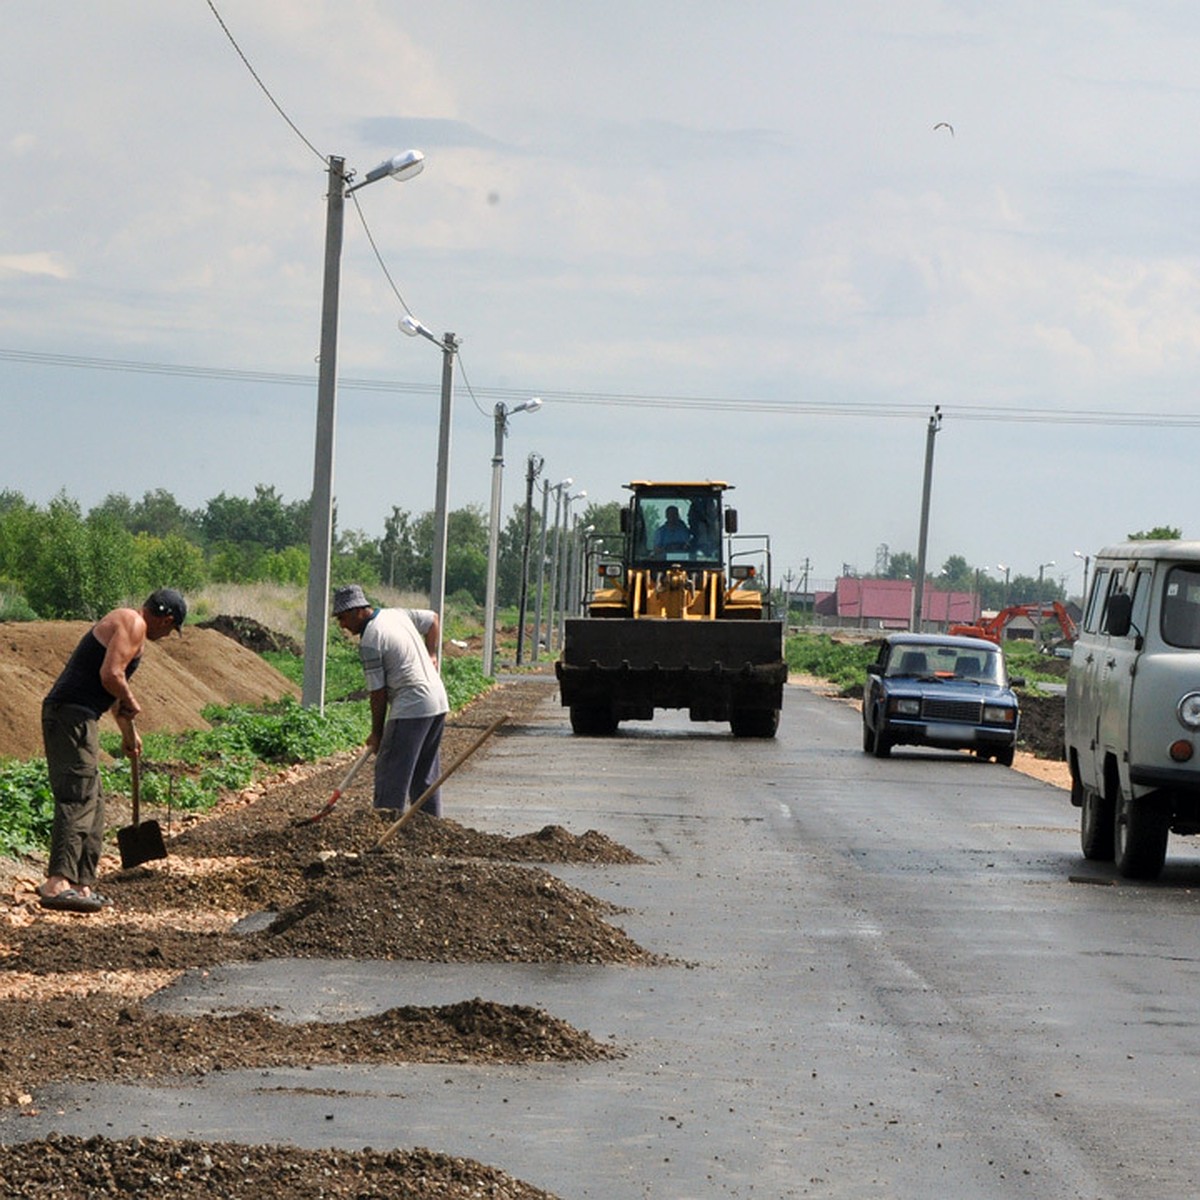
(250, 885)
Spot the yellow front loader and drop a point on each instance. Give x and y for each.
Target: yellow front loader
(675, 624)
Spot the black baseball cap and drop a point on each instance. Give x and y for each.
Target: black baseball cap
(167, 602)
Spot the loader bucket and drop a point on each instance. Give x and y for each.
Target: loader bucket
(623, 669)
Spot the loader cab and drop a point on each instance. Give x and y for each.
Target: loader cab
(677, 523)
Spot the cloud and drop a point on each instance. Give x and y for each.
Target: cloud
(37, 263)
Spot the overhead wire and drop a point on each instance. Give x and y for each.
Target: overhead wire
(1004, 414)
(265, 90)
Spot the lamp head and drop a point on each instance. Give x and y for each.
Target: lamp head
(400, 167)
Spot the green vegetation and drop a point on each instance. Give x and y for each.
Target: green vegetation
(58, 562)
(841, 662)
(844, 662)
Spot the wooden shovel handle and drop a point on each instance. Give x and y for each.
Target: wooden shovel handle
(437, 783)
(135, 775)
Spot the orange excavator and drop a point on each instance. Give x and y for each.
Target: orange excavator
(992, 628)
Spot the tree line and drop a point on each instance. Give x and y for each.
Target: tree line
(59, 562)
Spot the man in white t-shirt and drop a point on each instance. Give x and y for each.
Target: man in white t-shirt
(399, 649)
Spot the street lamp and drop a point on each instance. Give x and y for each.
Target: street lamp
(1041, 577)
(1087, 559)
(1007, 571)
(533, 468)
(316, 628)
(501, 414)
(558, 489)
(448, 345)
(561, 560)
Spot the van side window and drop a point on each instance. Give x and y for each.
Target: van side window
(1098, 599)
(1181, 607)
(1141, 602)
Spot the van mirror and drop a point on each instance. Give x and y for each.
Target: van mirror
(1118, 617)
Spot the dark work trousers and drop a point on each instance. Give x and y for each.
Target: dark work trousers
(72, 744)
(408, 762)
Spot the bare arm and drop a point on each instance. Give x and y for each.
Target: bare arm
(379, 708)
(433, 639)
(123, 635)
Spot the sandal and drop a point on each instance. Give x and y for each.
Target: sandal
(70, 900)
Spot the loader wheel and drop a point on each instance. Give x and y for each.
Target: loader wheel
(593, 720)
(754, 722)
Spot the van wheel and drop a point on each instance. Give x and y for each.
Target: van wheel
(1140, 830)
(1096, 825)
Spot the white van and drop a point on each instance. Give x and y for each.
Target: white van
(1133, 705)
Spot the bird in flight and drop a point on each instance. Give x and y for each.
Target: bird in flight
(944, 125)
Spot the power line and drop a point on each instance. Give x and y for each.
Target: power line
(1012, 414)
(265, 91)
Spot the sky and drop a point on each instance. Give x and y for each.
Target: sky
(755, 242)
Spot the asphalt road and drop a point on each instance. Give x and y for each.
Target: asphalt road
(896, 978)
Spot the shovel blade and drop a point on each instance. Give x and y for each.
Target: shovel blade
(140, 843)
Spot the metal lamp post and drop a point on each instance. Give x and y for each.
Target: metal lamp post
(501, 414)
(1007, 571)
(448, 345)
(316, 622)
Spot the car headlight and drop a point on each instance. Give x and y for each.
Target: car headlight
(1188, 711)
(905, 706)
(999, 714)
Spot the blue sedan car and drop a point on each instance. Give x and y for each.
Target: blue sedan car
(948, 692)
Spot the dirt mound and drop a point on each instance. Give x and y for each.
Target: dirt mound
(1042, 726)
(252, 634)
(175, 1170)
(177, 679)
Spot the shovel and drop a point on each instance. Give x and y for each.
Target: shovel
(143, 840)
(337, 792)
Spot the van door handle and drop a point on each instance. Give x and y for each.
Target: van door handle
(1110, 662)
(1091, 658)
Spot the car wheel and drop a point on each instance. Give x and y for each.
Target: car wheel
(868, 736)
(1096, 825)
(881, 746)
(1140, 830)
(1005, 757)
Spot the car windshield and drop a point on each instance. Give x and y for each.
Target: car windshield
(678, 524)
(931, 661)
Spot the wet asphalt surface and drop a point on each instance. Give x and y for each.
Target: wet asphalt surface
(895, 978)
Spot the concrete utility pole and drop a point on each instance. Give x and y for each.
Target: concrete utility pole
(533, 468)
(935, 423)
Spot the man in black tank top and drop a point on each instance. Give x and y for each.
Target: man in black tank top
(94, 681)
